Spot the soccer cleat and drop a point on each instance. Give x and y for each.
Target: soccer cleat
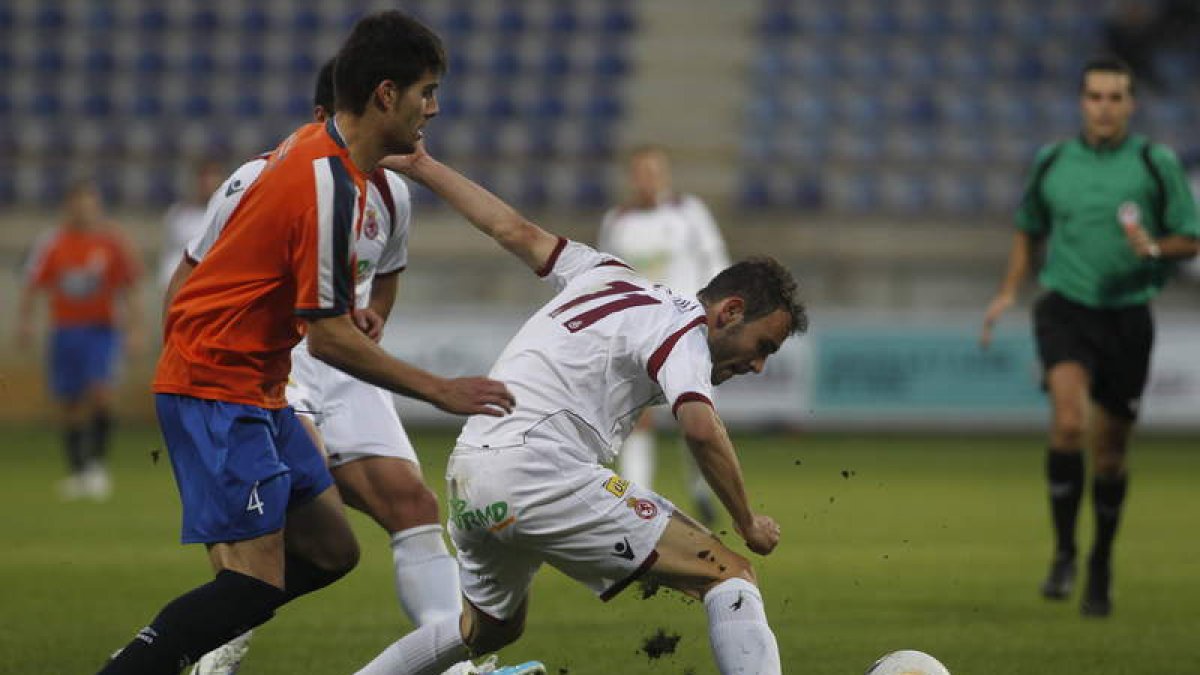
(71, 488)
(1061, 579)
(1096, 598)
(226, 659)
(485, 667)
(96, 483)
(527, 668)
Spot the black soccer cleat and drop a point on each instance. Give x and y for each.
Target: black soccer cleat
(1061, 579)
(1097, 600)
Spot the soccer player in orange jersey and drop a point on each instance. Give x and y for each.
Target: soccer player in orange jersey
(254, 487)
(88, 272)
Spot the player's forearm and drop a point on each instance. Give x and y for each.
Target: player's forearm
(487, 212)
(383, 294)
(709, 443)
(339, 343)
(1018, 264)
(1178, 247)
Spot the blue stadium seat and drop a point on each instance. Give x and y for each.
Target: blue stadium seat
(510, 20)
(100, 18)
(8, 184)
(806, 192)
(204, 21)
(779, 22)
(46, 103)
(617, 19)
(147, 104)
(505, 63)
(543, 142)
(548, 105)
(248, 105)
(533, 193)
(597, 142)
(251, 62)
(96, 104)
(306, 21)
(603, 106)
(100, 62)
(152, 20)
(255, 21)
(563, 20)
(50, 17)
(6, 106)
(299, 106)
(458, 21)
(201, 63)
(197, 105)
(49, 61)
(500, 106)
(610, 63)
(150, 62)
(753, 191)
(303, 64)
(591, 190)
(555, 63)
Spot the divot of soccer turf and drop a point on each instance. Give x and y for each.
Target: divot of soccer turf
(660, 644)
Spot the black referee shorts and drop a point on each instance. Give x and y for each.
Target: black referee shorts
(1113, 345)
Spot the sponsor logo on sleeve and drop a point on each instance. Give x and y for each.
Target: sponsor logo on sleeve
(617, 486)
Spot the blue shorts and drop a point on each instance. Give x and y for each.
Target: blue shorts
(81, 356)
(239, 468)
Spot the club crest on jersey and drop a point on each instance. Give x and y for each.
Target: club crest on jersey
(644, 508)
(370, 228)
(617, 486)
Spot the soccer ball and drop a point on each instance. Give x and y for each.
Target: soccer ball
(907, 662)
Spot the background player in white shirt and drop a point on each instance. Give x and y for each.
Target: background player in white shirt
(531, 489)
(670, 239)
(370, 455)
(184, 220)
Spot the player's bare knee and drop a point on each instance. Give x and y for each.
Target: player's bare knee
(486, 635)
(1068, 429)
(410, 506)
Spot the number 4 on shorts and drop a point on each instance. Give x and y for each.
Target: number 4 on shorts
(255, 504)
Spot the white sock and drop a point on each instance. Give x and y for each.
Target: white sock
(428, 650)
(637, 458)
(742, 642)
(426, 575)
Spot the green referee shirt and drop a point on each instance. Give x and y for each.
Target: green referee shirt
(1074, 194)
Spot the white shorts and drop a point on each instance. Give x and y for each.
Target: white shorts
(356, 419)
(513, 508)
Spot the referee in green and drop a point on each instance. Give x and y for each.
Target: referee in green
(1114, 211)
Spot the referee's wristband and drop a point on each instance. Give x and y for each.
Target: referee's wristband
(1154, 251)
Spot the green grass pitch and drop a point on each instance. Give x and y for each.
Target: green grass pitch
(935, 544)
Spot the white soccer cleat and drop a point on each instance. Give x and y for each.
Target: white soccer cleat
(71, 488)
(485, 667)
(96, 482)
(226, 659)
(527, 668)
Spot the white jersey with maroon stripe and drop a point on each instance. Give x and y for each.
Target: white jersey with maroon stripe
(585, 365)
(382, 244)
(676, 243)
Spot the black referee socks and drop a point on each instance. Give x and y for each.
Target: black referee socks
(1064, 473)
(1108, 494)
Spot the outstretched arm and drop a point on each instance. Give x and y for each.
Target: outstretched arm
(487, 212)
(710, 445)
(1018, 266)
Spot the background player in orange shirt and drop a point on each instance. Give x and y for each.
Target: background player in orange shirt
(254, 487)
(88, 271)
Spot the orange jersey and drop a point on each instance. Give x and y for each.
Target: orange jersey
(83, 270)
(286, 252)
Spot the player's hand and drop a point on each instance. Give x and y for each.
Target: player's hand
(474, 396)
(369, 322)
(761, 534)
(405, 164)
(999, 305)
(1139, 240)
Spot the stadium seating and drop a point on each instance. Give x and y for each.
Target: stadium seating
(927, 104)
(536, 82)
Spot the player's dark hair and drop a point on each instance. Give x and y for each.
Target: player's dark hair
(323, 92)
(384, 46)
(764, 285)
(1106, 63)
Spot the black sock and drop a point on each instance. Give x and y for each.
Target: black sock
(1064, 473)
(1108, 494)
(101, 429)
(73, 445)
(301, 576)
(197, 622)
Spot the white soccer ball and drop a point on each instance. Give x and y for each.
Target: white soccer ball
(907, 662)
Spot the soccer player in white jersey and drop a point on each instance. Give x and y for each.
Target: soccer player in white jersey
(184, 220)
(370, 455)
(671, 239)
(531, 488)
